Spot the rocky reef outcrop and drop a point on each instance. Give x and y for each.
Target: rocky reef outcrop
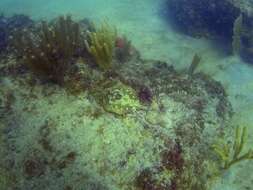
(227, 22)
(139, 124)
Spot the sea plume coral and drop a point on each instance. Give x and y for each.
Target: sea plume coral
(101, 45)
(232, 155)
(49, 50)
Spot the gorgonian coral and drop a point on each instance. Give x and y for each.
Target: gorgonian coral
(101, 45)
(50, 49)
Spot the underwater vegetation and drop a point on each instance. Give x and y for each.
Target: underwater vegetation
(194, 64)
(51, 49)
(237, 34)
(5, 179)
(101, 44)
(231, 155)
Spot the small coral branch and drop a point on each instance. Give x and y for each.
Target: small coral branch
(194, 64)
(237, 34)
(232, 155)
(101, 45)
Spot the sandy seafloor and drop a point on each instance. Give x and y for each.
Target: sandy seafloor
(140, 21)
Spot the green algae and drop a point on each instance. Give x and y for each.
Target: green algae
(5, 179)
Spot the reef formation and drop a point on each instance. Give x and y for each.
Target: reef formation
(227, 22)
(111, 121)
